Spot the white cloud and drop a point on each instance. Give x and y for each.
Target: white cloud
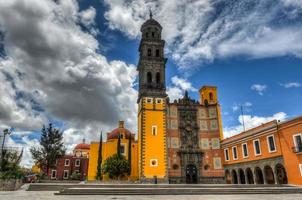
(52, 71)
(88, 16)
(251, 122)
(179, 86)
(291, 85)
(183, 84)
(245, 105)
(259, 88)
(203, 30)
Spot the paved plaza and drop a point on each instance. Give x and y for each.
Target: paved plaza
(43, 195)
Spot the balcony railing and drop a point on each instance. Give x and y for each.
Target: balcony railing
(297, 149)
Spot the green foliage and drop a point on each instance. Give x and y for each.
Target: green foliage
(10, 168)
(52, 147)
(100, 159)
(75, 176)
(116, 166)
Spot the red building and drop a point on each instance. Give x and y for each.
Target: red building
(73, 166)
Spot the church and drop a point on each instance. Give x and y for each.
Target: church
(178, 142)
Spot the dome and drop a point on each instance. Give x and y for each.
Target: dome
(115, 132)
(82, 146)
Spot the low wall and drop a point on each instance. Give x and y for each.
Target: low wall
(10, 185)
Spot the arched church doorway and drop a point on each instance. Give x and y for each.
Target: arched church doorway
(191, 174)
(259, 176)
(234, 177)
(281, 174)
(249, 176)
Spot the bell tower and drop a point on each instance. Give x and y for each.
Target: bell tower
(152, 104)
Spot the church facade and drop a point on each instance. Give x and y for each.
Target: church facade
(178, 142)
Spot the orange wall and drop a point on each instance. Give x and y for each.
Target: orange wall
(251, 153)
(291, 159)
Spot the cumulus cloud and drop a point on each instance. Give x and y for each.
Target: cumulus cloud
(51, 70)
(204, 30)
(259, 88)
(251, 122)
(291, 85)
(87, 16)
(179, 86)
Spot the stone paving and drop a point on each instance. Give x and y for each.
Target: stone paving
(34, 195)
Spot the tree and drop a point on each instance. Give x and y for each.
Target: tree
(10, 164)
(116, 166)
(51, 148)
(99, 168)
(118, 150)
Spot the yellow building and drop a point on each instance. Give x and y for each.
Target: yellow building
(109, 148)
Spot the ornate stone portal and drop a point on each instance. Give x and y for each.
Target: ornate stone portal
(190, 153)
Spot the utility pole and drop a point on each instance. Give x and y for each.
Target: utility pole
(242, 118)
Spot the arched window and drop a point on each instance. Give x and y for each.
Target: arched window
(158, 78)
(157, 52)
(147, 35)
(149, 52)
(211, 96)
(153, 34)
(149, 77)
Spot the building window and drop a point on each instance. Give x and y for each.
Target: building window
(257, 148)
(154, 130)
(153, 34)
(149, 77)
(245, 152)
(158, 78)
(122, 149)
(203, 125)
(297, 143)
(202, 113)
(213, 125)
(67, 162)
(65, 174)
(153, 163)
(77, 162)
(158, 101)
(157, 52)
(53, 174)
(226, 154)
(121, 136)
(211, 96)
(174, 142)
(217, 162)
(300, 167)
(174, 124)
(149, 52)
(149, 100)
(212, 113)
(235, 153)
(147, 35)
(215, 143)
(271, 143)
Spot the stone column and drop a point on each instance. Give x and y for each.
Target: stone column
(238, 177)
(275, 175)
(264, 176)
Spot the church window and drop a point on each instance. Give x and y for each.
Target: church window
(213, 125)
(211, 96)
(226, 154)
(122, 149)
(147, 35)
(212, 113)
(149, 52)
(203, 125)
(157, 52)
(174, 142)
(173, 124)
(153, 34)
(158, 78)
(153, 162)
(158, 101)
(149, 100)
(202, 113)
(154, 130)
(121, 136)
(149, 77)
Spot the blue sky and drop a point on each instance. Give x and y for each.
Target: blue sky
(73, 63)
